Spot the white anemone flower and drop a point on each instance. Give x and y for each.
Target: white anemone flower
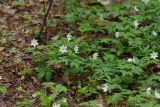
(154, 55)
(104, 87)
(56, 105)
(136, 9)
(69, 37)
(145, 1)
(135, 23)
(34, 95)
(95, 56)
(154, 33)
(34, 42)
(63, 49)
(76, 49)
(157, 94)
(0, 77)
(148, 90)
(131, 60)
(117, 34)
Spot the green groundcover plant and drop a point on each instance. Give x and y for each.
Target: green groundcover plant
(117, 44)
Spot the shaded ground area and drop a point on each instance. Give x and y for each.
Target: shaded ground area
(17, 24)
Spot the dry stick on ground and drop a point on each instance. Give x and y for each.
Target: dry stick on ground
(45, 19)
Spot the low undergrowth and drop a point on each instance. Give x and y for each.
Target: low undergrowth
(108, 56)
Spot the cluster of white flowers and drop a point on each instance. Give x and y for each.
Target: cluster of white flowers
(63, 48)
(156, 94)
(153, 55)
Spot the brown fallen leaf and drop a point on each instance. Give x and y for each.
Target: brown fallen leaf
(102, 23)
(17, 59)
(3, 20)
(8, 10)
(3, 40)
(1, 49)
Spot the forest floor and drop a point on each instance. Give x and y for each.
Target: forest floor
(21, 22)
(16, 31)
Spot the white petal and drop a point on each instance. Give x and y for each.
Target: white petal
(104, 87)
(131, 60)
(148, 90)
(34, 95)
(56, 105)
(95, 56)
(136, 9)
(0, 77)
(117, 34)
(136, 23)
(69, 37)
(76, 49)
(154, 33)
(157, 95)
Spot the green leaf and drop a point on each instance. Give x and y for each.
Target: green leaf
(48, 84)
(115, 98)
(60, 88)
(70, 18)
(89, 103)
(48, 75)
(3, 90)
(85, 27)
(44, 72)
(147, 105)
